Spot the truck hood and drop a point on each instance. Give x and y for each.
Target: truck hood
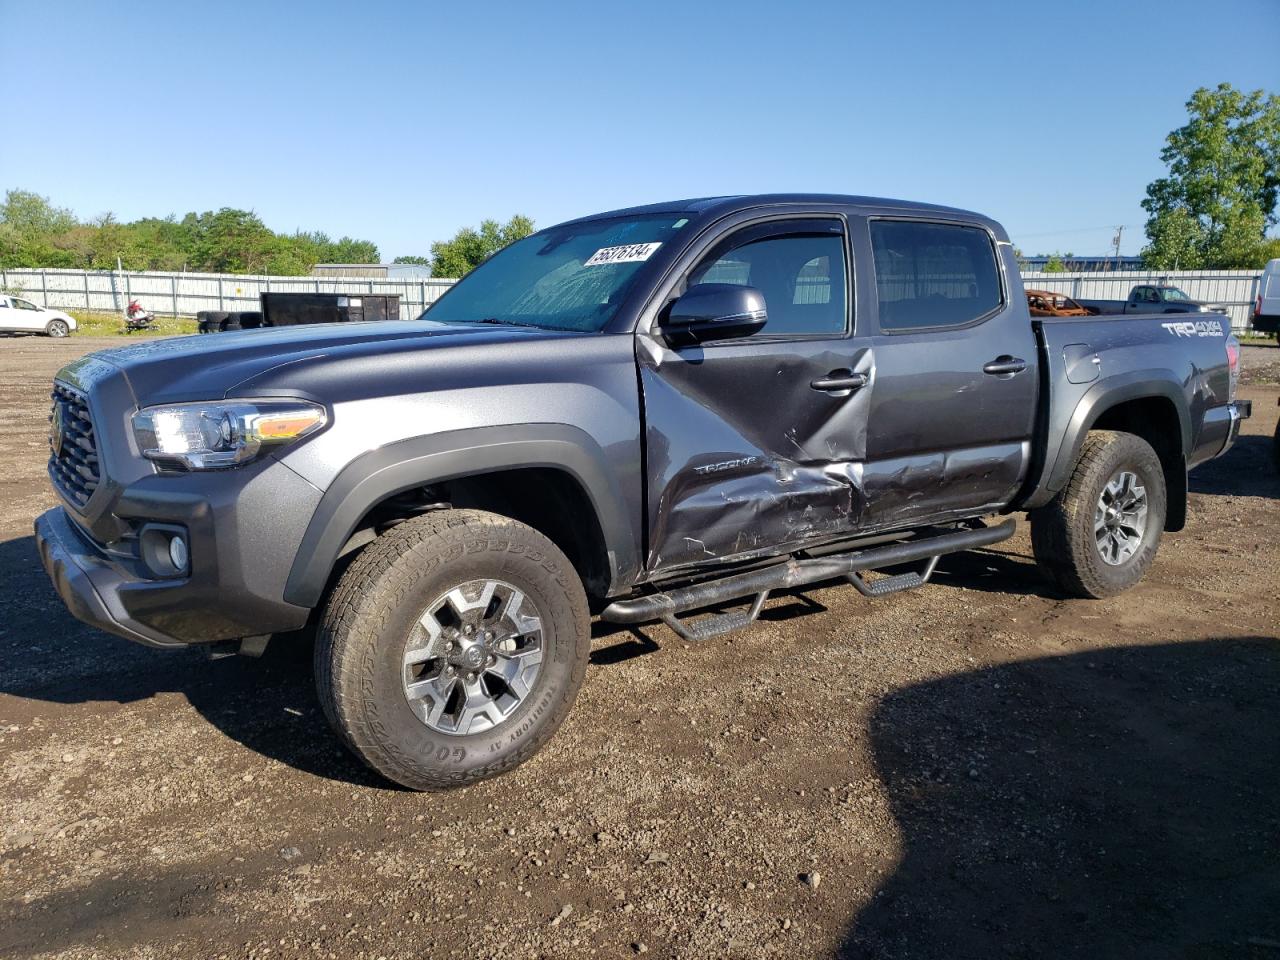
(225, 364)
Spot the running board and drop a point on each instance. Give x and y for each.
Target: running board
(895, 584)
(798, 572)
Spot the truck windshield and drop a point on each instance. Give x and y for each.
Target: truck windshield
(565, 278)
(1173, 293)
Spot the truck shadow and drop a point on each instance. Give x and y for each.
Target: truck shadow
(1112, 803)
(268, 705)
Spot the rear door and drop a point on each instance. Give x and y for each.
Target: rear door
(952, 406)
(749, 447)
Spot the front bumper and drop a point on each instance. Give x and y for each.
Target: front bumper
(243, 528)
(87, 584)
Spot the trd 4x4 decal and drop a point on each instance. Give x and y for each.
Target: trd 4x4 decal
(1194, 328)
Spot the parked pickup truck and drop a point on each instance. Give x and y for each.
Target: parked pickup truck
(1152, 298)
(638, 415)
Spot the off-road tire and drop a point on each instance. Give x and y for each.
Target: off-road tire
(365, 625)
(1062, 531)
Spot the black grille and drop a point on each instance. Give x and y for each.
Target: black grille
(73, 463)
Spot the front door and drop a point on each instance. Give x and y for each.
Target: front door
(952, 409)
(755, 444)
(26, 316)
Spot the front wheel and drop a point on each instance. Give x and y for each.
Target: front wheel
(452, 648)
(58, 328)
(1099, 535)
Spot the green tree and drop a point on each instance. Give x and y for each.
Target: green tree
(420, 261)
(28, 225)
(1057, 262)
(347, 250)
(1213, 209)
(469, 248)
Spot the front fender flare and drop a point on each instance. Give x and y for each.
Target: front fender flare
(418, 461)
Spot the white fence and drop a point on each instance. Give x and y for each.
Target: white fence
(183, 294)
(1234, 289)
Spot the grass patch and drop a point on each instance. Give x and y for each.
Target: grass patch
(112, 324)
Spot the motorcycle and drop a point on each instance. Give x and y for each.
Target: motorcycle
(136, 318)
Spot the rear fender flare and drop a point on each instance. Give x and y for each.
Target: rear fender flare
(1101, 397)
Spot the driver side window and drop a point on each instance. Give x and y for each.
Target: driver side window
(799, 268)
(24, 304)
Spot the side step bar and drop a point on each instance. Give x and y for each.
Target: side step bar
(797, 572)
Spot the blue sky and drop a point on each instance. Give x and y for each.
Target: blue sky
(402, 122)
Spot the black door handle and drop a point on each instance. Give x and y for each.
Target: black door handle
(1005, 366)
(838, 381)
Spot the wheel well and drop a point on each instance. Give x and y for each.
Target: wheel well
(1155, 420)
(548, 499)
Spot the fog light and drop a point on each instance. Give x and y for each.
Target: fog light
(163, 548)
(178, 554)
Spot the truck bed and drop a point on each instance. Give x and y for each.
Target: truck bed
(1090, 363)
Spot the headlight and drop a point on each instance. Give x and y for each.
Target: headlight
(212, 436)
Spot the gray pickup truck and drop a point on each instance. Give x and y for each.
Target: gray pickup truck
(1152, 298)
(643, 415)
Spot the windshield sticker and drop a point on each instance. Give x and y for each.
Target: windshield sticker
(628, 253)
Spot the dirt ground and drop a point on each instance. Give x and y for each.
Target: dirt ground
(976, 769)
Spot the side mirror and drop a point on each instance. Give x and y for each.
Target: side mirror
(714, 311)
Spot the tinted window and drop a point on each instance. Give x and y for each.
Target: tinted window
(931, 275)
(801, 275)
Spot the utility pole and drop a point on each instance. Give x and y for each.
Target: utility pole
(1116, 243)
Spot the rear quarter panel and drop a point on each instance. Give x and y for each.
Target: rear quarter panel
(1181, 360)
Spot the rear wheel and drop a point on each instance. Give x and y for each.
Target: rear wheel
(58, 328)
(452, 648)
(1100, 534)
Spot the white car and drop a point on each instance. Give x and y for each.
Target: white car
(23, 316)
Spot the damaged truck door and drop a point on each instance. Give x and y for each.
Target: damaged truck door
(953, 412)
(758, 439)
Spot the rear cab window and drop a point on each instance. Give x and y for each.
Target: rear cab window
(933, 275)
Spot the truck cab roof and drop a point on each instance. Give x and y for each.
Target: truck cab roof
(713, 208)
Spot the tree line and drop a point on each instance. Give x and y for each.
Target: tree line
(36, 233)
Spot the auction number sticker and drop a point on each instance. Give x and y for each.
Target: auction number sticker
(627, 253)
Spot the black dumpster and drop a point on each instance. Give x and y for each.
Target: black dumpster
(292, 309)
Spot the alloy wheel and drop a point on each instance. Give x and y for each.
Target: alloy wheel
(473, 657)
(1120, 519)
